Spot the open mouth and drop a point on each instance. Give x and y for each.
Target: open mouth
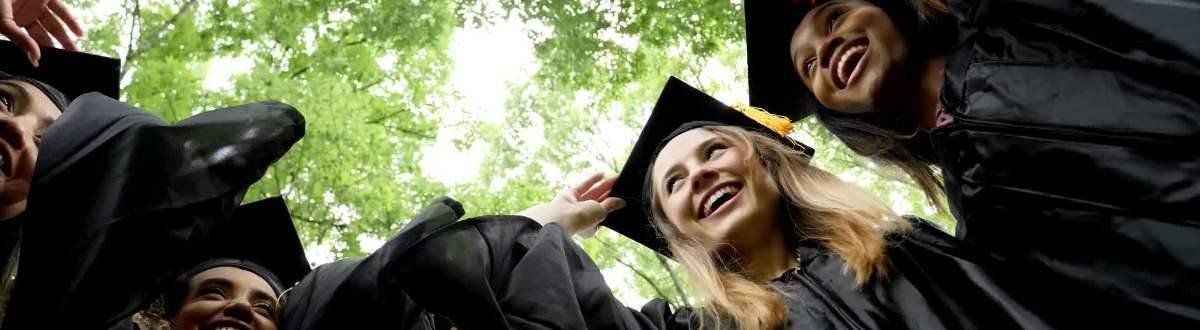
(718, 199)
(848, 62)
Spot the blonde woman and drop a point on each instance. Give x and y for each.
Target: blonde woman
(768, 242)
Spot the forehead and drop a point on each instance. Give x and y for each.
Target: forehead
(679, 148)
(240, 278)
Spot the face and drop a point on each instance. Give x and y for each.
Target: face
(851, 56)
(227, 298)
(711, 192)
(25, 113)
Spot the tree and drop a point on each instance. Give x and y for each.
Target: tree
(371, 78)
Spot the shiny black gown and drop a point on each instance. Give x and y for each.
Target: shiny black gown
(118, 194)
(509, 272)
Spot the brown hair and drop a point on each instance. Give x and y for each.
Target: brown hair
(842, 217)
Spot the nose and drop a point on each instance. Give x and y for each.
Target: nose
(13, 133)
(703, 179)
(240, 309)
(826, 49)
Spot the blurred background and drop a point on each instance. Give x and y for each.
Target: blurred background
(499, 104)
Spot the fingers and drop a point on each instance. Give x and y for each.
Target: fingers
(587, 184)
(10, 29)
(612, 204)
(55, 28)
(38, 33)
(597, 192)
(65, 16)
(25, 12)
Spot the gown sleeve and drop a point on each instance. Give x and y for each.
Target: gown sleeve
(509, 272)
(118, 193)
(356, 293)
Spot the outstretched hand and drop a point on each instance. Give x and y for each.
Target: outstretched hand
(579, 209)
(29, 23)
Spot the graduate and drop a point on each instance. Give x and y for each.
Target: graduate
(1062, 129)
(769, 241)
(117, 194)
(31, 99)
(237, 277)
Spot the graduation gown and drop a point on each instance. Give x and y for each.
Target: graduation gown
(1073, 151)
(118, 193)
(360, 293)
(509, 272)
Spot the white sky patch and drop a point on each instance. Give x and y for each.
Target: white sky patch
(445, 163)
(221, 71)
(368, 243)
(484, 60)
(318, 254)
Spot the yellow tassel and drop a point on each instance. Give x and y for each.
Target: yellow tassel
(779, 124)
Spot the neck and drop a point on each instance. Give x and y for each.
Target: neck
(928, 84)
(771, 259)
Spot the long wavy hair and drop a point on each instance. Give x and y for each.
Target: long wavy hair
(845, 219)
(891, 136)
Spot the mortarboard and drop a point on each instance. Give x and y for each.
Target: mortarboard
(71, 73)
(259, 238)
(680, 108)
(774, 82)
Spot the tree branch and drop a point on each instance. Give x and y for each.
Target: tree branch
(674, 279)
(637, 272)
(302, 71)
(141, 49)
(135, 18)
(319, 222)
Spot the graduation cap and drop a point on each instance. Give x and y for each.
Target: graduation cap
(71, 73)
(774, 81)
(259, 238)
(680, 108)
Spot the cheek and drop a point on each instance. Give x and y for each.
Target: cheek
(192, 315)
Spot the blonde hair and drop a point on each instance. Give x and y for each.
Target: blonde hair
(842, 217)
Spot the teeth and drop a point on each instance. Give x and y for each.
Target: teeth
(709, 203)
(841, 68)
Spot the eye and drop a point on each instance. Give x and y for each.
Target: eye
(266, 307)
(7, 101)
(671, 184)
(713, 150)
(833, 19)
(214, 291)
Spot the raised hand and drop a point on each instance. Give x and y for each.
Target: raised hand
(29, 23)
(579, 208)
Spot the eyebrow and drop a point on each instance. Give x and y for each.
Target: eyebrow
(825, 6)
(696, 151)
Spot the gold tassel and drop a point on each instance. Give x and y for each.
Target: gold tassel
(776, 123)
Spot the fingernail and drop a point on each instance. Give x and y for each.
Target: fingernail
(33, 60)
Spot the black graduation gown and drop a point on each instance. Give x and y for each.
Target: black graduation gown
(359, 293)
(509, 272)
(118, 192)
(1073, 152)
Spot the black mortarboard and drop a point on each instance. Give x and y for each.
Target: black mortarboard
(259, 238)
(680, 108)
(774, 82)
(71, 73)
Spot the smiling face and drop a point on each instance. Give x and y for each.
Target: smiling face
(712, 191)
(25, 113)
(852, 57)
(227, 298)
